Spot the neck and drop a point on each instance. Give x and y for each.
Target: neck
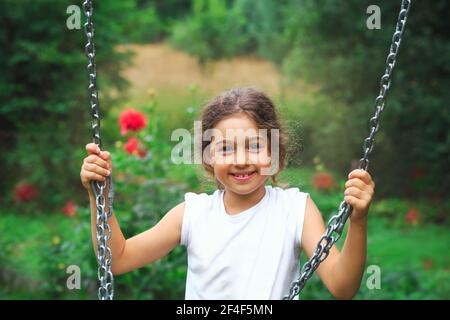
(235, 203)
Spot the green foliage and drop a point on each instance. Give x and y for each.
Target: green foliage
(328, 44)
(167, 10)
(37, 251)
(335, 50)
(324, 130)
(275, 26)
(213, 30)
(60, 242)
(406, 284)
(324, 43)
(43, 89)
(220, 29)
(139, 22)
(146, 188)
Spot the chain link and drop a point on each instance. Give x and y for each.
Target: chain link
(337, 222)
(103, 230)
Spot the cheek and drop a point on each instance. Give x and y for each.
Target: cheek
(261, 159)
(220, 170)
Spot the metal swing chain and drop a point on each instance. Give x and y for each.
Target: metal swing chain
(337, 222)
(103, 230)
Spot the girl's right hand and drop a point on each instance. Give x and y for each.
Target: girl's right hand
(96, 166)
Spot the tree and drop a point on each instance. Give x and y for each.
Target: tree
(43, 89)
(336, 50)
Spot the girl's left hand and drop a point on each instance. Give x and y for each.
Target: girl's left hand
(359, 190)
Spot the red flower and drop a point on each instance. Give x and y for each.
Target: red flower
(323, 181)
(133, 147)
(131, 120)
(24, 192)
(70, 208)
(412, 216)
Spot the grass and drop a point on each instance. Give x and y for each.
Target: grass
(413, 259)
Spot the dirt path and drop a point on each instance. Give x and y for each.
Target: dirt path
(159, 66)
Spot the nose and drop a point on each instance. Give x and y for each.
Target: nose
(241, 157)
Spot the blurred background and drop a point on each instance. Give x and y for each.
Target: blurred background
(158, 62)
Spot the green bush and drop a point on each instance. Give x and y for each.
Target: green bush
(324, 130)
(335, 50)
(221, 29)
(43, 92)
(36, 253)
(405, 284)
(213, 30)
(328, 45)
(140, 23)
(146, 188)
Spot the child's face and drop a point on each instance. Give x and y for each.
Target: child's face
(239, 151)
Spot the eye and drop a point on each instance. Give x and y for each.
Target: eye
(255, 146)
(227, 149)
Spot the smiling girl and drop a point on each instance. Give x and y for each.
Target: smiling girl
(243, 240)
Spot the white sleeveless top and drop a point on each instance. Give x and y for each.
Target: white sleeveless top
(251, 255)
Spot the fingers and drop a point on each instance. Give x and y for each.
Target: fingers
(363, 175)
(358, 193)
(356, 203)
(359, 184)
(91, 171)
(92, 148)
(96, 166)
(94, 159)
(96, 169)
(359, 190)
(105, 155)
(90, 175)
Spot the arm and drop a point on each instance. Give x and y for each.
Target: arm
(141, 249)
(144, 248)
(342, 271)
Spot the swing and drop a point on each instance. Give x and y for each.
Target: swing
(335, 224)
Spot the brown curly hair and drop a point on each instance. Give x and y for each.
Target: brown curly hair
(258, 107)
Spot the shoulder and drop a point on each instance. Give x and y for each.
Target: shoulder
(291, 201)
(195, 206)
(292, 204)
(192, 202)
(289, 194)
(193, 196)
(193, 199)
(196, 203)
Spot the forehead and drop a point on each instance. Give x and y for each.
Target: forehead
(237, 122)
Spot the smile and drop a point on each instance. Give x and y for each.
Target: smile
(243, 177)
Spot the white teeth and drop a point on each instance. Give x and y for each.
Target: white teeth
(242, 175)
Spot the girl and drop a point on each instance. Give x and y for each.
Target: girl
(244, 240)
